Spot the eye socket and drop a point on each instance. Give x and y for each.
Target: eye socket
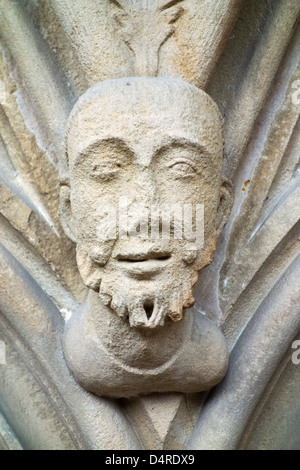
(105, 170)
(183, 169)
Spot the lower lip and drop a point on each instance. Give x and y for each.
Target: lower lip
(143, 269)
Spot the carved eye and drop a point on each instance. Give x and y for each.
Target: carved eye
(105, 170)
(183, 169)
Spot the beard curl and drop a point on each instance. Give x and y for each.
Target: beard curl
(91, 261)
(147, 304)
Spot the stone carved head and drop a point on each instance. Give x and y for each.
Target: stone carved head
(144, 202)
(138, 148)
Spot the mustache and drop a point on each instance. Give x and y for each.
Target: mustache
(128, 250)
(144, 251)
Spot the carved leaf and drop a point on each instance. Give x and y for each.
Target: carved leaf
(146, 26)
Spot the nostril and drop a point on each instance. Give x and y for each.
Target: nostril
(148, 307)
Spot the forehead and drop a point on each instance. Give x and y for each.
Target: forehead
(145, 111)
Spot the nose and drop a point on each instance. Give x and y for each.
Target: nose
(145, 188)
(143, 199)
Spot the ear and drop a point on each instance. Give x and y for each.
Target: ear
(65, 212)
(225, 205)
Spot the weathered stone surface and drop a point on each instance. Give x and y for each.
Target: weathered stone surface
(157, 143)
(8, 440)
(245, 55)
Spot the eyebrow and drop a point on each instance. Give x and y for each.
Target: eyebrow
(183, 142)
(167, 143)
(114, 141)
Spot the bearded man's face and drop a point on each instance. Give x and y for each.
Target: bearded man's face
(139, 150)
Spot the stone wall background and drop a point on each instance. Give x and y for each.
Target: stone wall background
(51, 52)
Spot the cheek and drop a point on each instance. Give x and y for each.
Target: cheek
(193, 194)
(94, 212)
(185, 190)
(193, 190)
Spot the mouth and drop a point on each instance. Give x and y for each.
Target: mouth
(143, 266)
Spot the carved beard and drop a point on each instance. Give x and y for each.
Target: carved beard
(146, 302)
